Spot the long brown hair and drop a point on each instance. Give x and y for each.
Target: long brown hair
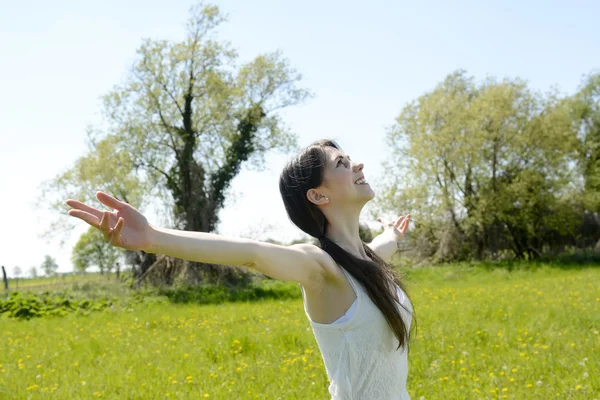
(306, 171)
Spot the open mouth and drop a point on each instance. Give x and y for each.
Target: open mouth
(361, 181)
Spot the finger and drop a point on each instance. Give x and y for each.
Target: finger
(85, 216)
(405, 223)
(82, 206)
(399, 221)
(115, 234)
(104, 225)
(108, 200)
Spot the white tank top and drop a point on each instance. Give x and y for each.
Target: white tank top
(359, 350)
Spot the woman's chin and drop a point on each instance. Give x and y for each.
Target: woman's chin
(369, 196)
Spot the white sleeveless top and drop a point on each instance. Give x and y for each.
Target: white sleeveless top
(359, 350)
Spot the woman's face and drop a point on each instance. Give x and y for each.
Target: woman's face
(339, 182)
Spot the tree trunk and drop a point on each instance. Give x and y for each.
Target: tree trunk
(199, 208)
(147, 261)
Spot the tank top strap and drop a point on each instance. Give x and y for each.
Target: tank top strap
(352, 281)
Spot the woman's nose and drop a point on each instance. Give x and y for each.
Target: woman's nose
(358, 167)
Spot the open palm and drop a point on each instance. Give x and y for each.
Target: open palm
(399, 227)
(123, 227)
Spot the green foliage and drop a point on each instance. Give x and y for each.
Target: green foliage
(25, 306)
(49, 265)
(92, 250)
(190, 116)
(88, 293)
(586, 111)
(485, 168)
(217, 294)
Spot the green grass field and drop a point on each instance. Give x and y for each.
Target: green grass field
(44, 283)
(482, 334)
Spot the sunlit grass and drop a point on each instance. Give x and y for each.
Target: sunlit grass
(525, 334)
(55, 281)
(497, 334)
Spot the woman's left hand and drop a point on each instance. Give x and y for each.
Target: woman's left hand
(398, 228)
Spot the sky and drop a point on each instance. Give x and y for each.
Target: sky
(364, 61)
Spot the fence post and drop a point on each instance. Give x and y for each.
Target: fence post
(4, 278)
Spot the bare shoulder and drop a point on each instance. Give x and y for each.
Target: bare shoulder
(331, 270)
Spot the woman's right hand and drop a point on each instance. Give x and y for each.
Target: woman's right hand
(123, 227)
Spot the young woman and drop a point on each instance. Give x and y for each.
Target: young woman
(357, 306)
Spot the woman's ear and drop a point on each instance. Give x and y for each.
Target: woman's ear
(316, 198)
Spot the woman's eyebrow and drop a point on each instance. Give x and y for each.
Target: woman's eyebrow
(340, 156)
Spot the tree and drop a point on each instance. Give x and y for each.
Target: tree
(92, 250)
(484, 168)
(587, 116)
(33, 272)
(186, 119)
(191, 117)
(17, 272)
(49, 266)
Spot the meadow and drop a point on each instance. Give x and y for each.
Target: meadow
(529, 332)
(54, 282)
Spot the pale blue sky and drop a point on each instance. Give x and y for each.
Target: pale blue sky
(363, 60)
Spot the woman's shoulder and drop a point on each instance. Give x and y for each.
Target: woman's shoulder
(332, 271)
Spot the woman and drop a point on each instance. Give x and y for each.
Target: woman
(356, 305)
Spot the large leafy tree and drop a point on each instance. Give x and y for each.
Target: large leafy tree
(184, 121)
(191, 117)
(483, 168)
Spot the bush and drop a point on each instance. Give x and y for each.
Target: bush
(215, 294)
(25, 306)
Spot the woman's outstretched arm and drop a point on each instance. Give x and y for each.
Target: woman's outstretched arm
(126, 227)
(301, 263)
(202, 247)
